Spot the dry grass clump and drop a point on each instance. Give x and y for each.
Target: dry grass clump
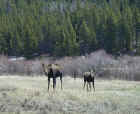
(23, 95)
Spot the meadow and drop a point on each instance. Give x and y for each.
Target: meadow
(29, 95)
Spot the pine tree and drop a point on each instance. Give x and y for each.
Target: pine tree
(110, 33)
(87, 38)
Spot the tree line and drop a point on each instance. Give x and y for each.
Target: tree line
(69, 27)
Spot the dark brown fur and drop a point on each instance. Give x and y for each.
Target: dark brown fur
(52, 73)
(88, 79)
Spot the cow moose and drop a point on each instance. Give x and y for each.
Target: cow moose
(52, 71)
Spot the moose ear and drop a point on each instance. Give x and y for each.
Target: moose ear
(43, 64)
(58, 65)
(49, 65)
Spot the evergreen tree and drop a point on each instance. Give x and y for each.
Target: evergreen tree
(87, 38)
(67, 27)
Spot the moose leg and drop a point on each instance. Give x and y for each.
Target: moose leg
(84, 84)
(93, 85)
(90, 86)
(61, 80)
(48, 83)
(54, 83)
(87, 85)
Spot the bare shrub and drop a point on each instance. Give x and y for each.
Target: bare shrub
(105, 65)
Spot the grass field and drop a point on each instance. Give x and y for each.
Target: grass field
(29, 95)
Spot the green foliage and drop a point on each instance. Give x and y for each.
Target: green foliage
(68, 28)
(87, 38)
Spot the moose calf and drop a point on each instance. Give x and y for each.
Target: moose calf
(88, 79)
